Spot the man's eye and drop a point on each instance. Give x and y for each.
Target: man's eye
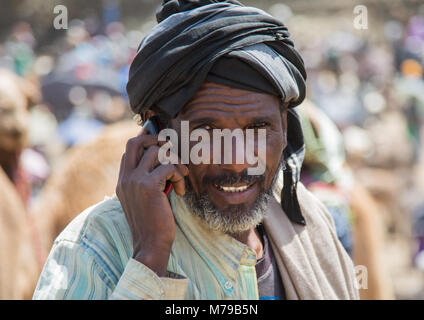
(205, 126)
(258, 125)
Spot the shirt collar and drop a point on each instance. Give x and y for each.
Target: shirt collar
(221, 252)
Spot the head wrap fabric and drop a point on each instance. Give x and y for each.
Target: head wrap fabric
(236, 73)
(175, 58)
(192, 43)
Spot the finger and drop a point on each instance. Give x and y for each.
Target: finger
(183, 169)
(150, 160)
(135, 149)
(121, 168)
(171, 173)
(176, 160)
(120, 175)
(157, 155)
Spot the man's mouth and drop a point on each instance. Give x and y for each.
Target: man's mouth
(232, 194)
(233, 188)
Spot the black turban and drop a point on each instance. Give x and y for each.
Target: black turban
(227, 43)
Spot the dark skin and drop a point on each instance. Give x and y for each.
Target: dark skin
(142, 178)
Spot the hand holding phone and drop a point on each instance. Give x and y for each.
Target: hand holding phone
(141, 190)
(153, 126)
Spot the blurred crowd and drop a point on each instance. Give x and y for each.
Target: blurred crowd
(370, 86)
(81, 82)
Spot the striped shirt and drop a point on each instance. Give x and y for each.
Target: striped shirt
(91, 259)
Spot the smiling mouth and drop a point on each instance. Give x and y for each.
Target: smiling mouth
(235, 188)
(234, 193)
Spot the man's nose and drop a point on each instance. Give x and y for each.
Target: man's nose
(233, 156)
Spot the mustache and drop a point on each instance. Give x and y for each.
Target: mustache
(231, 178)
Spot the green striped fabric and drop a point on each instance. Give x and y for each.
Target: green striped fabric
(91, 259)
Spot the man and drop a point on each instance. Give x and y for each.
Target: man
(222, 233)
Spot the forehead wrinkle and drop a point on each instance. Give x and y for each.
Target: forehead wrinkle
(228, 98)
(213, 91)
(224, 107)
(212, 97)
(213, 104)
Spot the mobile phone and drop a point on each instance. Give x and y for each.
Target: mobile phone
(153, 126)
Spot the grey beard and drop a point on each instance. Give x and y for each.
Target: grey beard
(235, 218)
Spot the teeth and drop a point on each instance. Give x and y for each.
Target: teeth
(232, 189)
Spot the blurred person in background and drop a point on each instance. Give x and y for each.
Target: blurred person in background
(328, 176)
(324, 172)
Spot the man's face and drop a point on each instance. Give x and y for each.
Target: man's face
(231, 195)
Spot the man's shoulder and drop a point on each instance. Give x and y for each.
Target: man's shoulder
(312, 208)
(102, 227)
